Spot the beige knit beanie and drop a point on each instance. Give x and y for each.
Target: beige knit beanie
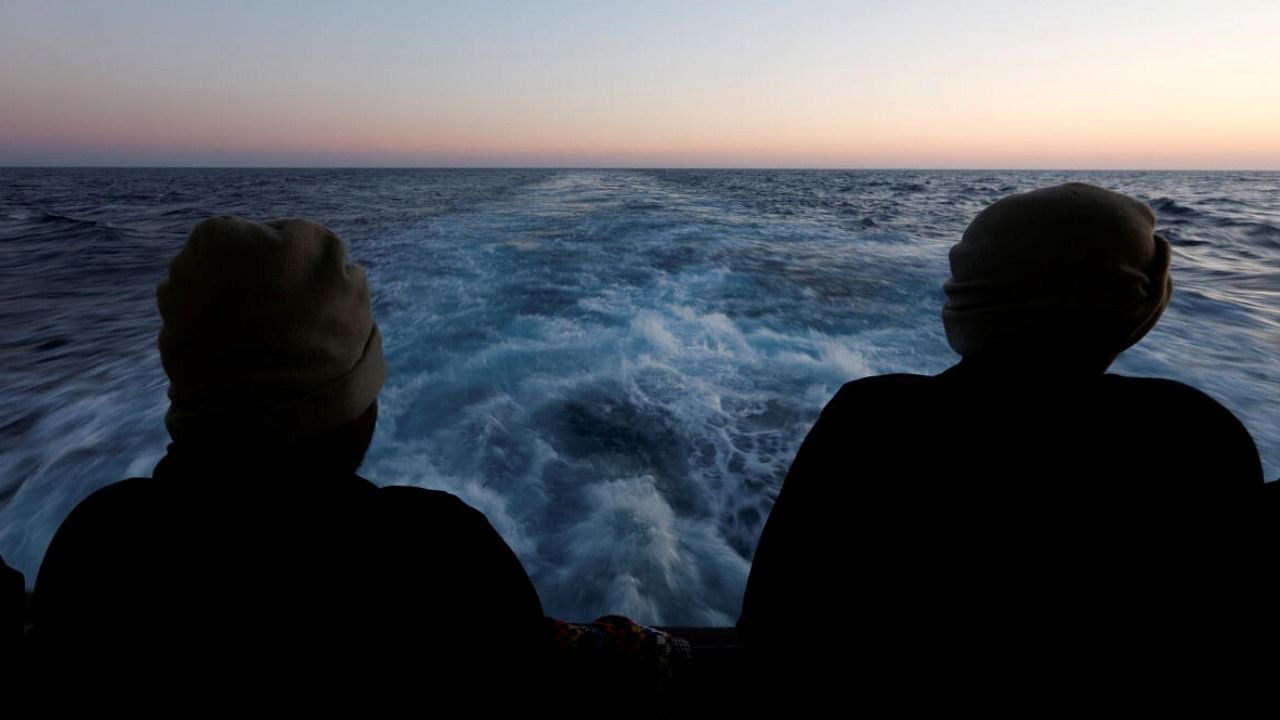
(268, 334)
(1072, 271)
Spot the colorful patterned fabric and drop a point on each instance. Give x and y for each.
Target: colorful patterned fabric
(613, 654)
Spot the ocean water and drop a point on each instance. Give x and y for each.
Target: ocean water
(615, 366)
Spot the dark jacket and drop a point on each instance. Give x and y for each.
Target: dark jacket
(982, 524)
(247, 573)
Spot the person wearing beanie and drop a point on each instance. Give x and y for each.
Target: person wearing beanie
(255, 546)
(1024, 524)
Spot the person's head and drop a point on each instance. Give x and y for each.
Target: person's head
(269, 342)
(1066, 276)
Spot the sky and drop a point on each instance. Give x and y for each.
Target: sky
(1128, 84)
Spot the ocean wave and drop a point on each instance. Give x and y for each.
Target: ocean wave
(1263, 232)
(1168, 209)
(49, 217)
(615, 367)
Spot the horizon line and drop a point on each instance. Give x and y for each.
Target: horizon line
(631, 168)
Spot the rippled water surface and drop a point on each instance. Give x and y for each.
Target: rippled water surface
(615, 366)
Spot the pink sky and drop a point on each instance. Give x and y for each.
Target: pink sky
(819, 84)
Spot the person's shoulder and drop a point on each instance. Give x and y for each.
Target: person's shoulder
(1169, 395)
(126, 497)
(415, 525)
(410, 503)
(106, 528)
(1186, 412)
(882, 383)
(411, 494)
(125, 490)
(873, 388)
(888, 380)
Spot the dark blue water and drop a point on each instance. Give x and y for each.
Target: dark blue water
(615, 366)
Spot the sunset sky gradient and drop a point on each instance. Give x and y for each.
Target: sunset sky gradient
(856, 84)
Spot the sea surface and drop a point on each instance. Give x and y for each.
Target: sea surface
(615, 366)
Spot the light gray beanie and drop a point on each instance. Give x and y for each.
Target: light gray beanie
(1072, 271)
(268, 333)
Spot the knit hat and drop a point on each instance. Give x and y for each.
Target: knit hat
(268, 333)
(1066, 272)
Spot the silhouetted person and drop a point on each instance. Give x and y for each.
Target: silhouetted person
(255, 555)
(13, 601)
(1022, 523)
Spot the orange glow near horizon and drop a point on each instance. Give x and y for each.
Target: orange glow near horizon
(1172, 85)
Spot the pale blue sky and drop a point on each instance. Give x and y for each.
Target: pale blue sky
(988, 83)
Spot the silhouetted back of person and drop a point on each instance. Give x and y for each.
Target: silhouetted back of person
(13, 601)
(254, 557)
(1022, 529)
